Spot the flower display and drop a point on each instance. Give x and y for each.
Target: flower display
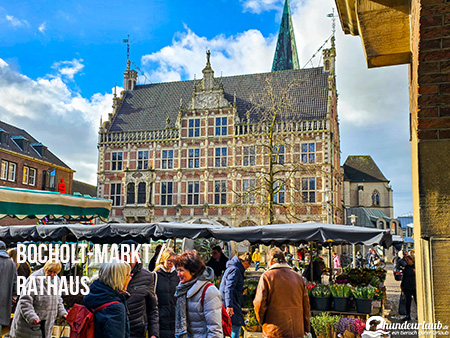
(354, 325)
(341, 290)
(364, 292)
(321, 290)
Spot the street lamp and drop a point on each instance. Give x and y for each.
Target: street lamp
(353, 221)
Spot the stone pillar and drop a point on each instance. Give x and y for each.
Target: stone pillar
(430, 151)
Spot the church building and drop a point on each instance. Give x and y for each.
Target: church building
(240, 150)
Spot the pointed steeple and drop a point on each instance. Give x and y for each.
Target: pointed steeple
(286, 52)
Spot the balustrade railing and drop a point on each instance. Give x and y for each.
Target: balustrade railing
(139, 136)
(286, 127)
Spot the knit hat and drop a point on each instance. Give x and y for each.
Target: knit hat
(2, 245)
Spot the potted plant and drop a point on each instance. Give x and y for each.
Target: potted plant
(341, 295)
(324, 325)
(322, 297)
(350, 327)
(363, 298)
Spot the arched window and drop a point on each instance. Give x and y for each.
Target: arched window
(327, 65)
(129, 85)
(376, 198)
(141, 193)
(130, 193)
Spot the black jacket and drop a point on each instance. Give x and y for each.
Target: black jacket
(142, 304)
(218, 266)
(166, 284)
(409, 278)
(112, 321)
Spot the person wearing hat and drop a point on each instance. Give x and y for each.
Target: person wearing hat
(142, 303)
(8, 279)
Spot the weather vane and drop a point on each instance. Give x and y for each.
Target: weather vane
(333, 18)
(127, 41)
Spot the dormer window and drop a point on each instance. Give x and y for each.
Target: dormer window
(4, 137)
(22, 142)
(39, 148)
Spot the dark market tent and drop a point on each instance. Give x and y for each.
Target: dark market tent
(305, 232)
(27, 203)
(142, 232)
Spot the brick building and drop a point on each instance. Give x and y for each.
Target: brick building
(202, 148)
(28, 164)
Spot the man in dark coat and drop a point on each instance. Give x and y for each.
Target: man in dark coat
(408, 284)
(232, 288)
(142, 303)
(218, 261)
(8, 278)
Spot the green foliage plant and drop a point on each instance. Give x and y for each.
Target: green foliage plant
(364, 292)
(341, 290)
(324, 323)
(321, 290)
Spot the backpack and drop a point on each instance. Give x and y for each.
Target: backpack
(81, 320)
(226, 320)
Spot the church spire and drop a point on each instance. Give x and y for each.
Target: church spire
(286, 52)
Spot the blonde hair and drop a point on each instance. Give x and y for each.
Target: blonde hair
(52, 265)
(13, 255)
(114, 274)
(165, 255)
(245, 257)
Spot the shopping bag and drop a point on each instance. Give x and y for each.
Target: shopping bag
(402, 304)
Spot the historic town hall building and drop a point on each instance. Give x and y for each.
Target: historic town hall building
(240, 150)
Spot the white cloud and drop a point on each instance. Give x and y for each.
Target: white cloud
(17, 22)
(247, 52)
(69, 68)
(59, 118)
(258, 6)
(43, 27)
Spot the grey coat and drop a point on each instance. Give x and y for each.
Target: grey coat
(8, 278)
(39, 306)
(204, 321)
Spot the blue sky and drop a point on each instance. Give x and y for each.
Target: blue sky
(59, 62)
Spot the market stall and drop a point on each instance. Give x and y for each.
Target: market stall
(27, 203)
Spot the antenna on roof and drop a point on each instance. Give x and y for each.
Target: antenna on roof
(127, 41)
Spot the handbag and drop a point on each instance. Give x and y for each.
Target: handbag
(402, 304)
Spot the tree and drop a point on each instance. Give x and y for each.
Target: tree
(272, 123)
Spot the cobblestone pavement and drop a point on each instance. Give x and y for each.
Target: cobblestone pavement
(393, 292)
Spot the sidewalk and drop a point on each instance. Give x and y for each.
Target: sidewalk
(393, 292)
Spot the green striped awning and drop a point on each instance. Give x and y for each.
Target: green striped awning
(27, 203)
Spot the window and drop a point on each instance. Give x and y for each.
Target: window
(308, 152)
(194, 128)
(142, 159)
(278, 155)
(52, 180)
(29, 176)
(115, 193)
(194, 158)
(220, 192)
(166, 193)
(116, 160)
(131, 194)
(221, 126)
(221, 157)
(4, 170)
(279, 189)
(8, 171)
(248, 189)
(309, 190)
(142, 193)
(249, 156)
(376, 198)
(193, 193)
(167, 159)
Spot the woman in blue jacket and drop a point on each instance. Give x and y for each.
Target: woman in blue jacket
(112, 321)
(232, 288)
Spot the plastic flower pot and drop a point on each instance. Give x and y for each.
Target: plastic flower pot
(363, 305)
(340, 304)
(322, 303)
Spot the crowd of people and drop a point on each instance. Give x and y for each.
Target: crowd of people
(178, 298)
